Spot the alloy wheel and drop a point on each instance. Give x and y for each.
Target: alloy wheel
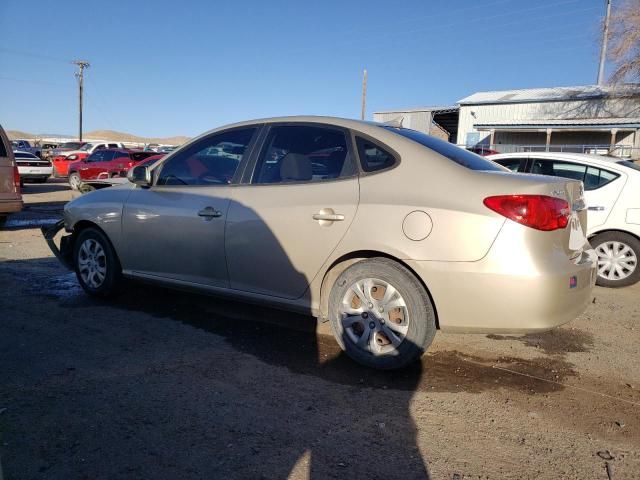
(374, 316)
(92, 263)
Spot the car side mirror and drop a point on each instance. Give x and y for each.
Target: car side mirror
(140, 175)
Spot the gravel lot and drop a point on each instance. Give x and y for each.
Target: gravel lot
(160, 384)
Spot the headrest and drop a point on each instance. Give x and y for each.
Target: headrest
(295, 167)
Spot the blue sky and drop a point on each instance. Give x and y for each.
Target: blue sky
(166, 68)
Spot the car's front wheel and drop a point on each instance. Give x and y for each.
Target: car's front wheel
(618, 255)
(74, 180)
(380, 314)
(96, 263)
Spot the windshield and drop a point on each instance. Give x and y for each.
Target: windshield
(72, 145)
(452, 152)
(86, 147)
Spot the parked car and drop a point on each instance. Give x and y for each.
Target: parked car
(92, 184)
(25, 146)
(104, 164)
(61, 160)
(482, 150)
(611, 191)
(10, 196)
(33, 168)
(398, 233)
(62, 148)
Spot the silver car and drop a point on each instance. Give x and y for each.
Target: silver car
(387, 233)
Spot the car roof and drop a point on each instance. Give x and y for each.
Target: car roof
(576, 157)
(371, 128)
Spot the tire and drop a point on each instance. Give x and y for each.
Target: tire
(74, 180)
(412, 315)
(617, 249)
(96, 264)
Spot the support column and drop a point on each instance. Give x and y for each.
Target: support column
(492, 137)
(549, 130)
(612, 143)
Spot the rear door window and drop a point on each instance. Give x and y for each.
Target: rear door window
(303, 153)
(592, 177)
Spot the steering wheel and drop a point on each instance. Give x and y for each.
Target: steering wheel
(209, 177)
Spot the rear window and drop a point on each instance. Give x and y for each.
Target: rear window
(459, 155)
(3, 150)
(630, 164)
(24, 155)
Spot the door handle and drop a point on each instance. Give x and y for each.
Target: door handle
(209, 213)
(596, 208)
(329, 217)
(326, 216)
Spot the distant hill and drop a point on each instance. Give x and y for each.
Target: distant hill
(127, 137)
(108, 135)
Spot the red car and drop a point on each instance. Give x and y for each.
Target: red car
(106, 163)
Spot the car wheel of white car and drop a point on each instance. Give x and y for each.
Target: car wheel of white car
(96, 264)
(380, 314)
(74, 181)
(618, 255)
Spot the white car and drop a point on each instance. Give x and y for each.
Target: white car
(88, 148)
(32, 167)
(612, 193)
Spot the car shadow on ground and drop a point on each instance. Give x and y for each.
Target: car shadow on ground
(333, 418)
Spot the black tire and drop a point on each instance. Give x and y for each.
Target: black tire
(599, 243)
(74, 180)
(112, 278)
(421, 314)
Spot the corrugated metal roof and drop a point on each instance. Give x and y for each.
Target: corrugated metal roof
(587, 122)
(552, 94)
(441, 109)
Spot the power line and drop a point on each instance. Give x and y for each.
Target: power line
(34, 55)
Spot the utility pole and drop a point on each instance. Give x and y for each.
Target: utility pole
(364, 94)
(80, 76)
(603, 49)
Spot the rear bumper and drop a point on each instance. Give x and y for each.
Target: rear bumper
(477, 297)
(10, 206)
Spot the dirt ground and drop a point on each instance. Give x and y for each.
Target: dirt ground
(163, 385)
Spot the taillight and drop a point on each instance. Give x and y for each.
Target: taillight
(536, 211)
(16, 178)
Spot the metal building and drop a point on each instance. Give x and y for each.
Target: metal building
(591, 119)
(441, 122)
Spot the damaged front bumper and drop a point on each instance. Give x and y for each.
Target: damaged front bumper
(65, 252)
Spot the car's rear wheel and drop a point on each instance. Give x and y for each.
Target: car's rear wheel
(74, 180)
(618, 255)
(96, 263)
(380, 314)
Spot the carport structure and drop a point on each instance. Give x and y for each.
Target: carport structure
(585, 135)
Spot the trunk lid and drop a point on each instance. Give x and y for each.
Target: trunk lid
(573, 238)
